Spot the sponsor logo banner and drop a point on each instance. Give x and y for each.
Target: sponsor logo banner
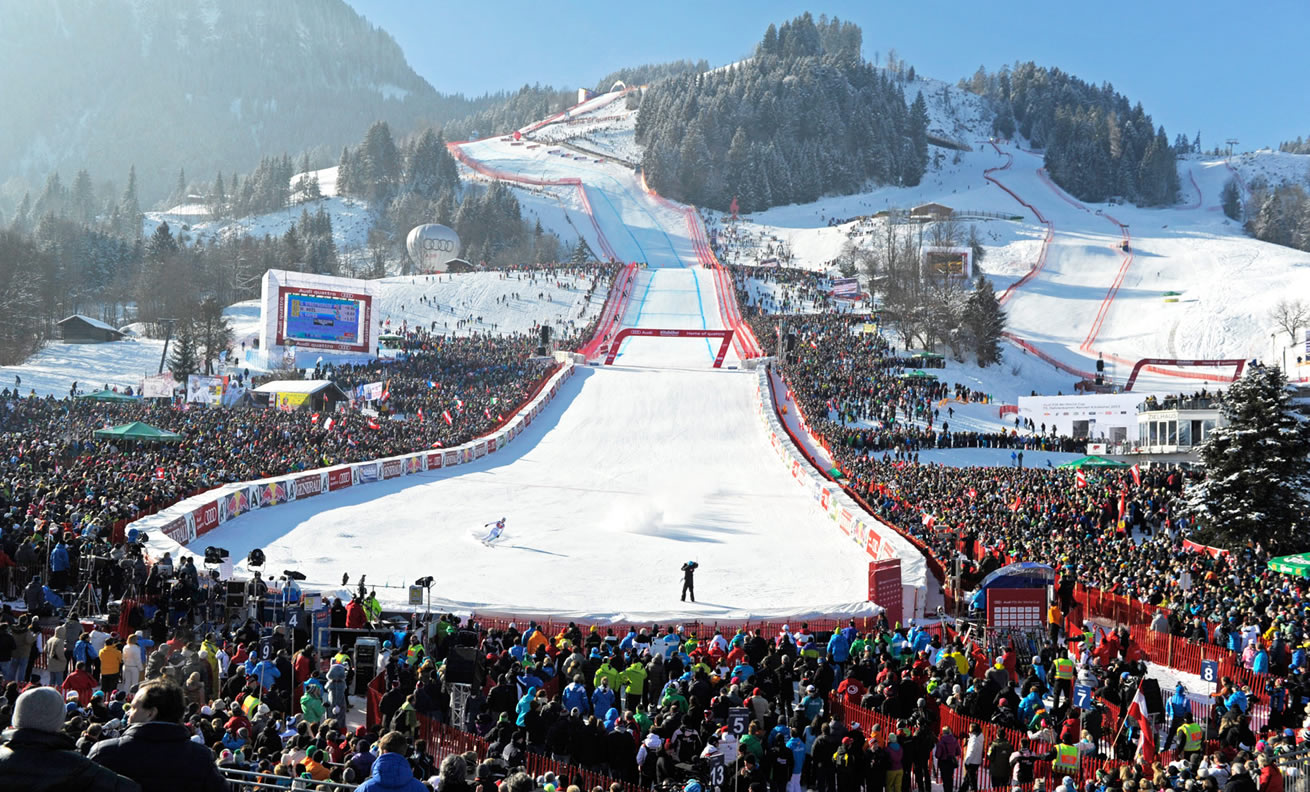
(205, 519)
(392, 468)
(491, 445)
(180, 530)
(452, 458)
(365, 473)
(434, 461)
(413, 464)
(339, 478)
(307, 486)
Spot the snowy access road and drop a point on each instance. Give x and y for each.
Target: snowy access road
(628, 473)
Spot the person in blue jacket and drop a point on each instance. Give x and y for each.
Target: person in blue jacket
(602, 699)
(59, 566)
(524, 706)
(798, 751)
(1176, 707)
(575, 696)
(391, 770)
(1260, 664)
(839, 648)
(265, 671)
(1237, 701)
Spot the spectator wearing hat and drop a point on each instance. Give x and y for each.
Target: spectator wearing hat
(156, 751)
(36, 755)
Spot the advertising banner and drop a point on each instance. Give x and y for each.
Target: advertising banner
(1022, 608)
(491, 445)
(181, 531)
(365, 473)
(204, 390)
(308, 486)
(392, 468)
(158, 387)
(452, 458)
(290, 401)
(479, 450)
(434, 461)
(339, 479)
(885, 587)
(372, 391)
(205, 519)
(413, 464)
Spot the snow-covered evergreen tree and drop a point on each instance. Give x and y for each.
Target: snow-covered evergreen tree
(1257, 469)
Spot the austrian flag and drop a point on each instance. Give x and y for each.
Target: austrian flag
(445, 415)
(1080, 480)
(328, 424)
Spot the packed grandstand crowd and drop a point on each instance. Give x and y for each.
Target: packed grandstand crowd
(176, 689)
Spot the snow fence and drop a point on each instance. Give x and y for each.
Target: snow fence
(870, 535)
(182, 523)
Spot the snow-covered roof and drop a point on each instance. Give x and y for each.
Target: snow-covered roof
(295, 386)
(96, 323)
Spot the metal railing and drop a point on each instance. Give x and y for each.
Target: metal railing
(247, 781)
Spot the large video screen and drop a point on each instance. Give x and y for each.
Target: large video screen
(331, 320)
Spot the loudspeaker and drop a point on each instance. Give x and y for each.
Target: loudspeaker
(466, 638)
(236, 594)
(1151, 692)
(462, 665)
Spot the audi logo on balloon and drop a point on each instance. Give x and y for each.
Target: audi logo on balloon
(432, 246)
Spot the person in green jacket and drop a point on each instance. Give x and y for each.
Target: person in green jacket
(311, 704)
(373, 608)
(643, 721)
(607, 671)
(633, 679)
(753, 742)
(674, 697)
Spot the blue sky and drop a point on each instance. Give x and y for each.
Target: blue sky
(1226, 69)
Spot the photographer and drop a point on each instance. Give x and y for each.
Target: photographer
(688, 583)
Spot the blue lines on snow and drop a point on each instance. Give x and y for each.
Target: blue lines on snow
(642, 307)
(619, 217)
(700, 304)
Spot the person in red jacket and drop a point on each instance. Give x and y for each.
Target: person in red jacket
(851, 688)
(82, 682)
(355, 615)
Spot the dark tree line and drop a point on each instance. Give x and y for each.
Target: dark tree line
(651, 72)
(1097, 144)
(1280, 215)
(804, 117)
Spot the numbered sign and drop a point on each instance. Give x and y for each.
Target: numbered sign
(1210, 671)
(1082, 696)
(717, 772)
(266, 648)
(738, 719)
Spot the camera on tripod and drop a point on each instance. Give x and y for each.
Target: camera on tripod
(215, 556)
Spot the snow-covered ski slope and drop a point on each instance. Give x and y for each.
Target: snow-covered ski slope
(1086, 296)
(633, 469)
(627, 474)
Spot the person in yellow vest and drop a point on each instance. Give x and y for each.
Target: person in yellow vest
(1066, 761)
(1064, 672)
(1190, 737)
(250, 705)
(373, 608)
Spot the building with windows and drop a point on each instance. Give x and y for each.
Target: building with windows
(1177, 424)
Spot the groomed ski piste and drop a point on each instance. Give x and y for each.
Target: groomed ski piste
(632, 470)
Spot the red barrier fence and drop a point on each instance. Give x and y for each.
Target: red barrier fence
(1167, 650)
(959, 726)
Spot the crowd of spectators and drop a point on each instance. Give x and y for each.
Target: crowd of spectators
(1122, 531)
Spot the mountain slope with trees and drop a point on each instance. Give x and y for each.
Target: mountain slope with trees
(805, 117)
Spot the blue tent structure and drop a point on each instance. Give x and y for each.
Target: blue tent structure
(1024, 574)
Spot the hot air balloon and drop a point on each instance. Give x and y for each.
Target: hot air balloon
(432, 246)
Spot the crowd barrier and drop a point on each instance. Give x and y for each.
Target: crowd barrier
(612, 313)
(441, 740)
(172, 529)
(870, 721)
(877, 538)
(1167, 650)
(935, 566)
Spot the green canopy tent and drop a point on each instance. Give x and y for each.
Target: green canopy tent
(1093, 462)
(138, 432)
(1298, 565)
(918, 374)
(108, 396)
